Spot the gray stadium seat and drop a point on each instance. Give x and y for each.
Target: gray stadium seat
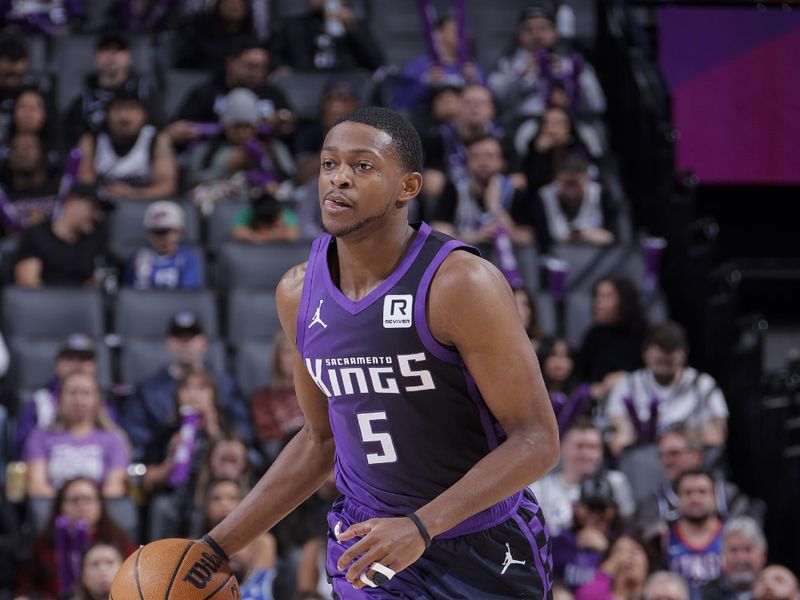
(304, 89)
(252, 367)
(73, 60)
(546, 313)
(220, 223)
(397, 26)
(579, 316)
(51, 312)
(146, 314)
(126, 229)
(252, 314)
(140, 359)
(32, 362)
(257, 267)
(37, 53)
(179, 83)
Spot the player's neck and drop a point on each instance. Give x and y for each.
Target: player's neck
(365, 261)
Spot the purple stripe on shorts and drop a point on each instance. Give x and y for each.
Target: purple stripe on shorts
(537, 557)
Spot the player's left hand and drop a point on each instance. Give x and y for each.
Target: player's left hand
(394, 542)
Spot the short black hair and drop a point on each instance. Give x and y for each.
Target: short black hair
(694, 472)
(668, 336)
(13, 48)
(405, 138)
(242, 44)
(113, 40)
(572, 163)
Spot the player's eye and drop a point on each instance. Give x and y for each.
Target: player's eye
(327, 164)
(363, 165)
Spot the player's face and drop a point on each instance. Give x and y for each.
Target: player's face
(676, 456)
(742, 559)
(228, 460)
(100, 565)
(82, 503)
(776, 583)
(360, 178)
(582, 451)
(696, 500)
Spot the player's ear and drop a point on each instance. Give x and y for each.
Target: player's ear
(411, 186)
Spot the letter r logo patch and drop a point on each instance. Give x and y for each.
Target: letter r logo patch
(397, 310)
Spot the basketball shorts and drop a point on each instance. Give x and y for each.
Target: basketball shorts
(509, 560)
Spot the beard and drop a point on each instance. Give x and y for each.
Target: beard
(349, 230)
(697, 519)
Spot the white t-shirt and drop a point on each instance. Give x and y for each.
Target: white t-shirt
(557, 498)
(694, 400)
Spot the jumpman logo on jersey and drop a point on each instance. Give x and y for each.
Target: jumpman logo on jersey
(317, 319)
(510, 561)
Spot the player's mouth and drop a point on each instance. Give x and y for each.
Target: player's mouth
(337, 202)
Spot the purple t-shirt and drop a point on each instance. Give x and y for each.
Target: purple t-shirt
(67, 456)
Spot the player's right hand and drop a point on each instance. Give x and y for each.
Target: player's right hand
(394, 542)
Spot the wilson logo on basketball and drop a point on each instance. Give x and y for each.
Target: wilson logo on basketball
(202, 571)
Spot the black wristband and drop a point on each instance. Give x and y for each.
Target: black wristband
(215, 547)
(423, 531)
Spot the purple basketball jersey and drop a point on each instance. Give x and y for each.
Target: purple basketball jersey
(407, 417)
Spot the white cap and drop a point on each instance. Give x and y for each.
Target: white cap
(164, 215)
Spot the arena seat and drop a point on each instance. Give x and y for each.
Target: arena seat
(178, 84)
(257, 267)
(145, 314)
(52, 313)
(140, 358)
(220, 223)
(303, 89)
(252, 365)
(251, 314)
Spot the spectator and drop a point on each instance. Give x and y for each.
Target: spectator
(681, 450)
(693, 544)
(78, 501)
(744, 552)
(172, 471)
(228, 154)
(209, 36)
(663, 585)
(485, 202)
(32, 114)
(265, 220)
(578, 550)
(529, 315)
(64, 251)
(276, 413)
(77, 355)
(581, 456)
(147, 414)
(29, 184)
(128, 157)
(555, 139)
(246, 66)
(48, 18)
(81, 442)
(573, 208)
(557, 359)
(442, 106)
(621, 575)
(227, 458)
(166, 263)
(114, 75)
(613, 345)
(776, 582)
(328, 37)
(423, 75)
(99, 565)
(526, 80)
(14, 78)
(255, 567)
(684, 397)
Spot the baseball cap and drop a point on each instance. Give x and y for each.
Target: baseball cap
(77, 347)
(240, 107)
(536, 12)
(185, 323)
(113, 40)
(596, 491)
(164, 215)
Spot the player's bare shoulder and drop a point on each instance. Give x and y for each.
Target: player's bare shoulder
(287, 297)
(465, 286)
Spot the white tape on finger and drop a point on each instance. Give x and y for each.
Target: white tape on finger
(383, 570)
(366, 580)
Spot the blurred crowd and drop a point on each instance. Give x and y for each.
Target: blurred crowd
(516, 161)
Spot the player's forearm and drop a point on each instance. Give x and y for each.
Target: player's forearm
(523, 458)
(298, 472)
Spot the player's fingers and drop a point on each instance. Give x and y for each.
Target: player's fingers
(356, 530)
(353, 552)
(364, 563)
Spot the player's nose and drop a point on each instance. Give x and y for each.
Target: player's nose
(340, 177)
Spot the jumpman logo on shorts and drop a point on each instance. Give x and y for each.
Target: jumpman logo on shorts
(317, 319)
(510, 561)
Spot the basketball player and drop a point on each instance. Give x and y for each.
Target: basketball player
(419, 386)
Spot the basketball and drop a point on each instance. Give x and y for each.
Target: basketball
(174, 569)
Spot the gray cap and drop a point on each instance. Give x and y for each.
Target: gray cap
(240, 107)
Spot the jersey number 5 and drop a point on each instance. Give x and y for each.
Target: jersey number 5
(387, 453)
